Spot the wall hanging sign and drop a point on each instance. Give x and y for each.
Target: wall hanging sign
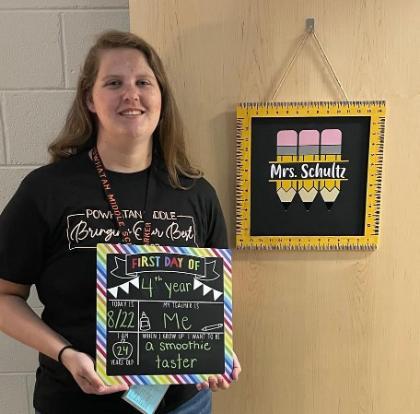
(309, 174)
(164, 314)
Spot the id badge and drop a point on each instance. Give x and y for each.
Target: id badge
(145, 398)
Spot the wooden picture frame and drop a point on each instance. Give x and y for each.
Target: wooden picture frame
(309, 175)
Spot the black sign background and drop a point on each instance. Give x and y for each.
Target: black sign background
(347, 216)
(154, 331)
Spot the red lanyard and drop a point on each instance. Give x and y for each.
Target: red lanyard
(118, 217)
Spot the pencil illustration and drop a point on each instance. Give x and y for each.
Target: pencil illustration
(330, 150)
(308, 151)
(287, 141)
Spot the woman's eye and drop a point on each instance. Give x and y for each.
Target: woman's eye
(143, 82)
(113, 83)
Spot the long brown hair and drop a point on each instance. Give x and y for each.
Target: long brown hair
(80, 128)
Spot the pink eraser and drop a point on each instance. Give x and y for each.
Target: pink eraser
(308, 137)
(331, 137)
(287, 138)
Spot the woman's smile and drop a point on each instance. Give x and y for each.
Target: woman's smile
(131, 113)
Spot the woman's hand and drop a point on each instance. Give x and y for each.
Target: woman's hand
(216, 383)
(82, 368)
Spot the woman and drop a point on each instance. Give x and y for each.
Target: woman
(123, 116)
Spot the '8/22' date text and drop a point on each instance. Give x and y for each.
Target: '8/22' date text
(121, 319)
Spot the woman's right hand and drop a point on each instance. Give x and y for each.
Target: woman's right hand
(19, 321)
(82, 368)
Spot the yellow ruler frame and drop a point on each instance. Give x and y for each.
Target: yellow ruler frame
(247, 111)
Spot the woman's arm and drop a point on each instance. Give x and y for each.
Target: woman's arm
(19, 321)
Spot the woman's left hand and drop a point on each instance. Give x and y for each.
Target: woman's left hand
(216, 383)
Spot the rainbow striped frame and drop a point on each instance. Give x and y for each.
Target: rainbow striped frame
(101, 300)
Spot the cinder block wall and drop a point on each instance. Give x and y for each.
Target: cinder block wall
(42, 45)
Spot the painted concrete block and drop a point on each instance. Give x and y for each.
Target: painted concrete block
(30, 385)
(2, 143)
(80, 31)
(13, 394)
(16, 357)
(56, 4)
(31, 50)
(33, 119)
(33, 299)
(10, 179)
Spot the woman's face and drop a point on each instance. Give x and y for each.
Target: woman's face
(125, 96)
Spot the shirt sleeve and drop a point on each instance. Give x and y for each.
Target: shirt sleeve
(216, 226)
(23, 233)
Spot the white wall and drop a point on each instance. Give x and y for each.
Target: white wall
(42, 46)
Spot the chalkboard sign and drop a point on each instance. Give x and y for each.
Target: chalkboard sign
(309, 174)
(164, 314)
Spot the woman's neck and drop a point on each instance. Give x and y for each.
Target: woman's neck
(125, 159)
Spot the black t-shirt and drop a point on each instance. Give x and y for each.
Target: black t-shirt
(48, 234)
